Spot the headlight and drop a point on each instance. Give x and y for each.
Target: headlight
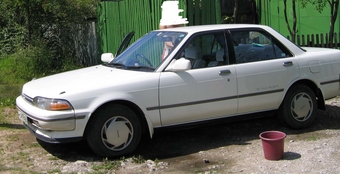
(51, 104)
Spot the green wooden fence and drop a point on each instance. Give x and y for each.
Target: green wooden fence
(116, 19)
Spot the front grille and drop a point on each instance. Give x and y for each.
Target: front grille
(27, 98)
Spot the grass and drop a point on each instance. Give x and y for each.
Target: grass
(10, 84)
(138, 159)
(313, 138)
(8, 93)
(14, 137)
(107, 165)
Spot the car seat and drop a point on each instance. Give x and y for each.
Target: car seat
(219, 58)
(195, 54)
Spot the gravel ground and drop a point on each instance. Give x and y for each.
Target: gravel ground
(226, 148)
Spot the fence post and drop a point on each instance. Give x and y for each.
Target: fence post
(308, 40)
(312, 40)
(322, 40)
(335, 45)
(318, 40)
(303, 40)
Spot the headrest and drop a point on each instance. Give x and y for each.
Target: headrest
(220, 54)
(193, 52)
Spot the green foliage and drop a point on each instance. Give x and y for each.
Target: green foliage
(7, 102)
(227, 20)
(107, 165)
(12, 29)
(319, 4)
(8, 93)
(37, 39)
(24, 65)
(34, 62)
(41, 33)
(138, 159)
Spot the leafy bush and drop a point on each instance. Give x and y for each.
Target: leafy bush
(8, 93)
(44, 31)
(23, 66)
(32, 63)
(7, 102)
(37, 38)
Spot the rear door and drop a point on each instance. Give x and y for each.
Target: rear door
(264, 69)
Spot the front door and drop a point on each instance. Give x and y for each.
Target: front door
(207, 91)
(197, 95)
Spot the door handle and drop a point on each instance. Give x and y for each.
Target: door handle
(287, 63)
(224, 72)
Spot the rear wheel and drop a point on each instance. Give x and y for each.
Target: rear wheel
(298, 109)
(114, 131)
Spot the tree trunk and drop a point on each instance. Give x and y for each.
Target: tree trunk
(292, 32)
(29, 31)
(294, 21)
(253, 12)
(235, 11)
(334, 5)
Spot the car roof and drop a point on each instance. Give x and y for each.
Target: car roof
(199, 28)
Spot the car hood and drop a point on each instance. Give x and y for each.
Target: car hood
(77, 81)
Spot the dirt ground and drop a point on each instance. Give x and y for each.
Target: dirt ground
(226, 148)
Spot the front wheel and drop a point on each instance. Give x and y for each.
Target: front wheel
(114, 131)
(298, 109)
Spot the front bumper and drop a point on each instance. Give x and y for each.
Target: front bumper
(50, 126)
(44, 119)
(48, 139)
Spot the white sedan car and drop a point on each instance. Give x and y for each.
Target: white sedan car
(180, 77)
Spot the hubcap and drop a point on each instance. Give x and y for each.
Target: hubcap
(117, 133)
(301, 107)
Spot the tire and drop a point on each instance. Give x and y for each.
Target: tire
(298, 109)
(114, 131)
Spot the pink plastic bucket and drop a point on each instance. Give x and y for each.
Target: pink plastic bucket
(273, 144)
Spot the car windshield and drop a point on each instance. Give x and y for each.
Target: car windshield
(147, 53)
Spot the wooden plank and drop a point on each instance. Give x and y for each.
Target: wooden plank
(322, 40)
(218, 13)
(335, 41)
(190, 12)
(197, 13)
(303, 40)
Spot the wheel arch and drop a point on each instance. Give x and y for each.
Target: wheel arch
(147, 129)
(315, 89)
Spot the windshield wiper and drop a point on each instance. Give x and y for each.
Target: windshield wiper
(115, 64)
(140, 67)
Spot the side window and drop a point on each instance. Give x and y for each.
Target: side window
(252, 46)
(206, 50)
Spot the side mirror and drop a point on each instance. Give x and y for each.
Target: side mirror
(107, 57)
(181, 64)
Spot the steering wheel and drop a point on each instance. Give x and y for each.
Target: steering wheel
(144, 58)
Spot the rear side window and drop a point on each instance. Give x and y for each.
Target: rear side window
(252, 45)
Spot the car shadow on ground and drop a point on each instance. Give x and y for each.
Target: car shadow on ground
(178, 143)
(12, 126)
